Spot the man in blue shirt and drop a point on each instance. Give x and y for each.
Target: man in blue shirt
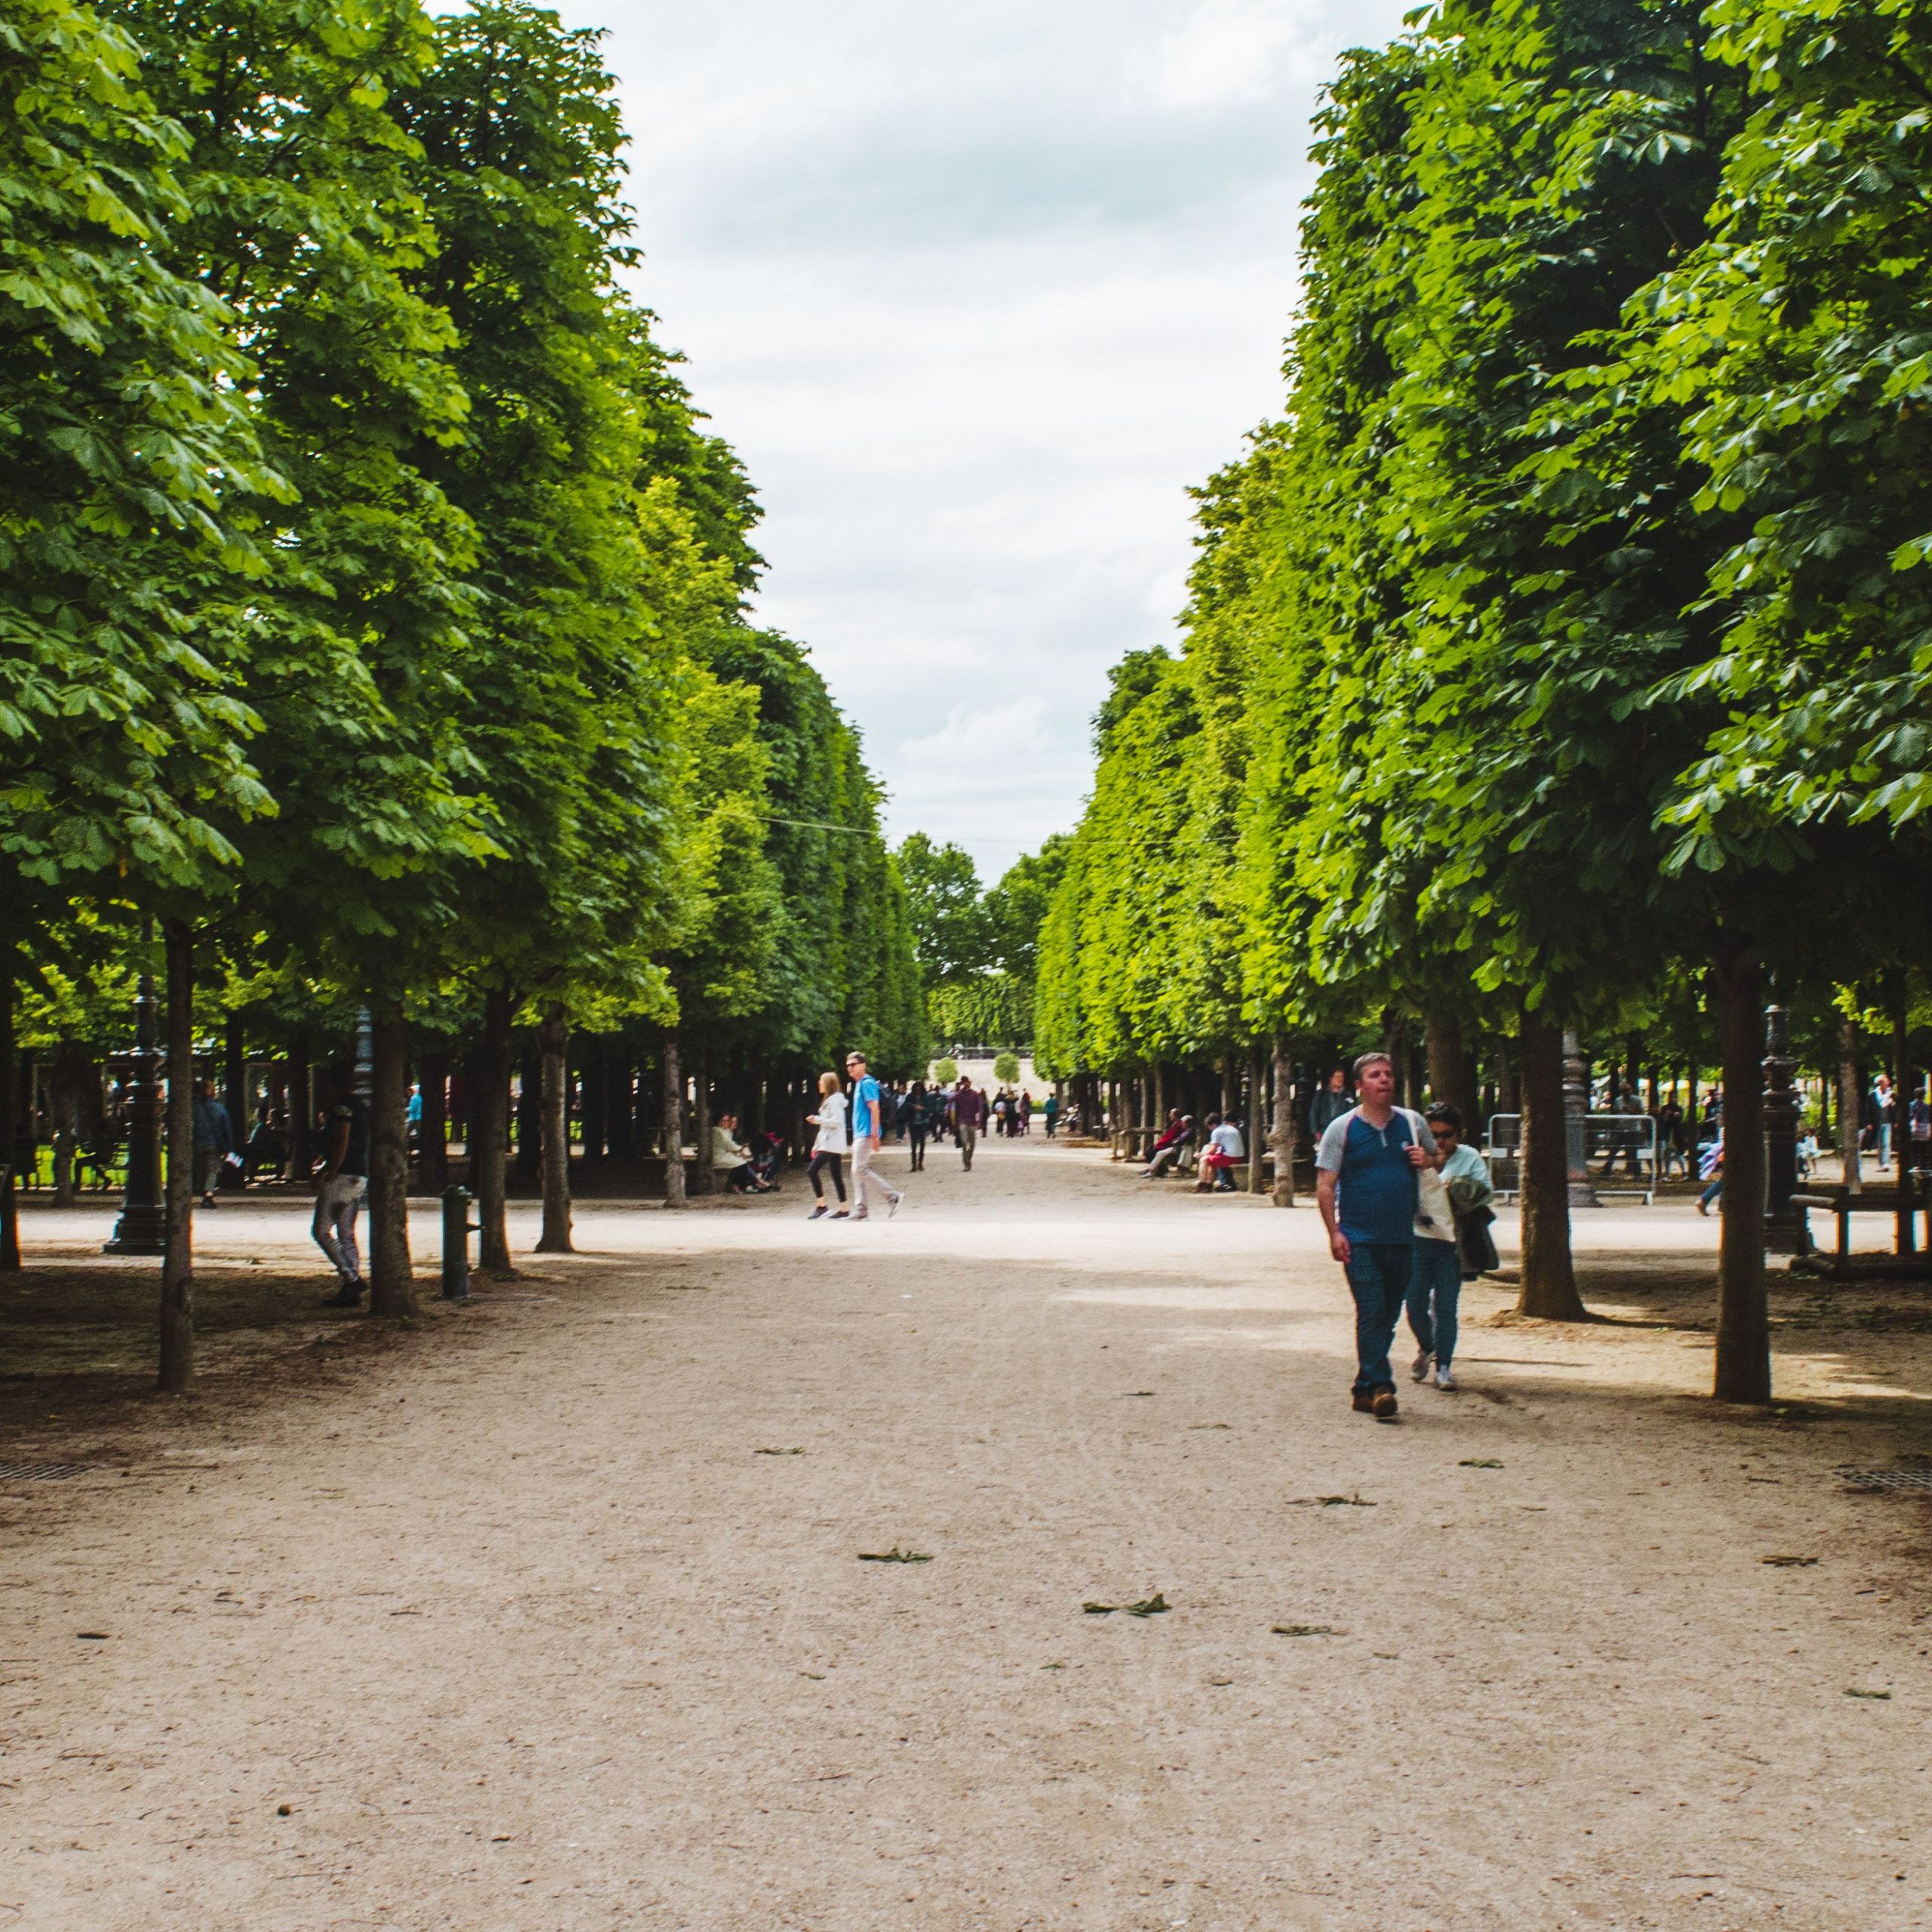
(1365, 1172)
(867, 1125)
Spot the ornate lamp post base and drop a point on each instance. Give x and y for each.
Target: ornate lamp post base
(141, 1229)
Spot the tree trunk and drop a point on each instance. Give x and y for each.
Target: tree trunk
(301, 1109)
(391, 1276)
(433, 1130)
(674, 1123)
(487, 1130)
(9, 1120)
(1548, 1285)
(1851, 1105)
(1744, 1329)
(177, 1262)
(553, 1037)
(1283, 1138)
(701, 1123)
(1444, 1034)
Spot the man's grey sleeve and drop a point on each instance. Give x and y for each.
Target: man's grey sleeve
(1333, 1143)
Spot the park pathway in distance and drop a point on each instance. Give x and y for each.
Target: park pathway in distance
(555, 1616)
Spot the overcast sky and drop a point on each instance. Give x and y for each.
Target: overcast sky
(976, 292)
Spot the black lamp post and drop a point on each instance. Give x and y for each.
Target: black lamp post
(143, 1227)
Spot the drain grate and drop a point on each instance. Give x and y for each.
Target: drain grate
(1910, 1482)
(41, 1472)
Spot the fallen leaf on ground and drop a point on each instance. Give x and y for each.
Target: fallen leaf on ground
(895, 1555)
(1879, 1696)
(1304, 1630)
(1209, 1425)
(1355, 1502)
(778, 1452)
(1099, 1609)
(1157, 1605)
(1479, 1462)
(1788, 1562)
(1140, 1392)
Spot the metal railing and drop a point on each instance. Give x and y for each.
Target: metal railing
(1629, 1139)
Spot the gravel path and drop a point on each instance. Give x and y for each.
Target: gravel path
(550, 1615)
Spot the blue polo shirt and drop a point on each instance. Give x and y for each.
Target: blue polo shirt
(1375, 1190)
(865, 1108)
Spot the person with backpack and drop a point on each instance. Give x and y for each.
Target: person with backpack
(1366, 1170)
(915, 1111)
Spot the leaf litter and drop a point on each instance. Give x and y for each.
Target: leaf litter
(1157, 1605)
(894, 1554)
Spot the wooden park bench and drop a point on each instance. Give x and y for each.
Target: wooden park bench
(1902, 1203)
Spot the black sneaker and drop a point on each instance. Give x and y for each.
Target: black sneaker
(350, 1295)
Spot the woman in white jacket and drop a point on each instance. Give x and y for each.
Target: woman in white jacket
(829, 1150)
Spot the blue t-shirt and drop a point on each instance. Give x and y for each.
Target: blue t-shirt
(865, 1108)
(1375, 1189)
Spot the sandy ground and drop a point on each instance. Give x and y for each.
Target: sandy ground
(548, 1614)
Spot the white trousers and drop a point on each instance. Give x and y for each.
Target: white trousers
(864, 1179)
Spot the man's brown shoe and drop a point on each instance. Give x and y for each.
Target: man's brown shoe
(1384, 1405)
(1364, 1403)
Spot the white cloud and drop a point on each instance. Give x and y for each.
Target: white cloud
(977, 293)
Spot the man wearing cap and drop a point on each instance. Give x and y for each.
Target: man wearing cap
(868, 1122)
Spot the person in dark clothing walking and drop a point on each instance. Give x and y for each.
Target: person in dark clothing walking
(916, 1111)
(215, 1139)
(341, 1183)
(969, 1116)
(1365, 1171)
